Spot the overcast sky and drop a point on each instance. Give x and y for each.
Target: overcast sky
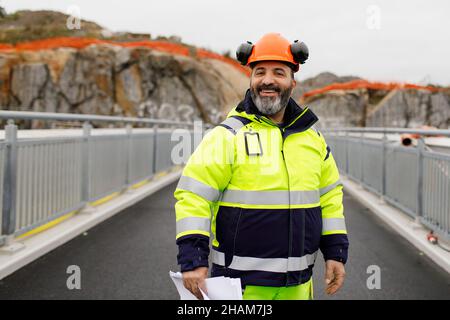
(381, 40)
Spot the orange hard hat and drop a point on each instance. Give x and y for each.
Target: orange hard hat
(273, 47)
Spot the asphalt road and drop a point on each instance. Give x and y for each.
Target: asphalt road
(129, 257)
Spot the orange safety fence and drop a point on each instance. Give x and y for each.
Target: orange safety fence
(5, 46)
(79, 43)
(364, 84)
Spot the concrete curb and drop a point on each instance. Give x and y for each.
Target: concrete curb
(415, 233)
(42, 243)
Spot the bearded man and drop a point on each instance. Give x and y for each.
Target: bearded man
(265, 186)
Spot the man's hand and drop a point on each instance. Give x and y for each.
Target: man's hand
(195, 279)
(334, 276)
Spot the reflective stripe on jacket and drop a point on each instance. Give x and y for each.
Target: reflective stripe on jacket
(269, 196)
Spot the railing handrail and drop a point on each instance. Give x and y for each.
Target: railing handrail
(32, 115)
(432, 132)
(414, 179)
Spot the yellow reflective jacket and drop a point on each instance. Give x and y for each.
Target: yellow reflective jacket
(269, 195)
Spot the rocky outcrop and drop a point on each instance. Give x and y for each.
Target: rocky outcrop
(114, 80)
(406, 108)
(412, 108)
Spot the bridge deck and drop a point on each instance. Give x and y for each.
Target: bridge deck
(129, 256)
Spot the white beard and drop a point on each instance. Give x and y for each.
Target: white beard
(268, 105)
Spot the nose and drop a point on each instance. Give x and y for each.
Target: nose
(268, 79)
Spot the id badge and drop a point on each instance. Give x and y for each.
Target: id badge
(253, 144)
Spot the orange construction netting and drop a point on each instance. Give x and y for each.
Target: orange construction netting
(5, 46)
(364, 84)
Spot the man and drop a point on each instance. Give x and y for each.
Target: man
(266, 185)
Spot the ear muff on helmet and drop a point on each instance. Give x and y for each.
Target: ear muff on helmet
(299, 51)
(243, 52)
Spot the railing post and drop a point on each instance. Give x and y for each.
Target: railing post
(346, 142)
(361, 154)
(383, 165)
(86, 166)
(9, 183)
(155, 148)
(129, 155)
(420, 150)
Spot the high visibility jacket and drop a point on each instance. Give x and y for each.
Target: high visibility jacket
(268, 196)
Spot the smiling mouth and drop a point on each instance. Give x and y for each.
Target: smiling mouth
(268, 93)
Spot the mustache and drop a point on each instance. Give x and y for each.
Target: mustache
(268, 87)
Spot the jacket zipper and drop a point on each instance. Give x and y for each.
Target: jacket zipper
(289, 197)
(282, 131)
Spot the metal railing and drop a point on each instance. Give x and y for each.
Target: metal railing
(44, 178)
(414, 179)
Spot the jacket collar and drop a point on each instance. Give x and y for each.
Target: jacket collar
(296, 119)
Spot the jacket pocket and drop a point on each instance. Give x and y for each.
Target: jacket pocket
(226, 228)
(313, 229)
(262, 233)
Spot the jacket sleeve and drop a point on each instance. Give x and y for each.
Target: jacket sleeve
(204, 178)
(333, 241)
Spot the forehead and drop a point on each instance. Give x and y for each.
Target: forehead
(270, 65)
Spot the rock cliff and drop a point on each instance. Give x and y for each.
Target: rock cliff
(108, 79)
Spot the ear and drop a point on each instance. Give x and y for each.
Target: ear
(294, 83)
